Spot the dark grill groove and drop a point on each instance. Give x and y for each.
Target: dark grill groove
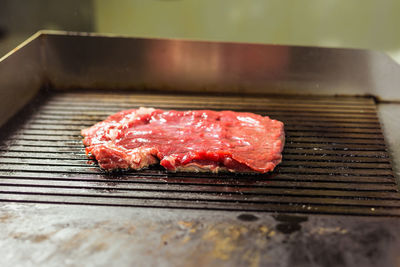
(335, 158)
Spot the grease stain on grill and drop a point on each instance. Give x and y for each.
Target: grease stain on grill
(289, 223)
(248, 217)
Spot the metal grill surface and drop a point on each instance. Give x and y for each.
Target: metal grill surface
(335, 159)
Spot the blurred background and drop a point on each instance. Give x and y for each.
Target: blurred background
(366, 24)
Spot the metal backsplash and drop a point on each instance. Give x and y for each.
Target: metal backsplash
(68, 60)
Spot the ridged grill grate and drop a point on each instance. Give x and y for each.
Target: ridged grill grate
(335, 158)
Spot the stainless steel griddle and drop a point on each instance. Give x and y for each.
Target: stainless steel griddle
(333, 201)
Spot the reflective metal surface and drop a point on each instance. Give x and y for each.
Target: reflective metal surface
(48, 235)
(389, 116)
(21, 76)
(194, 66)
(47, 171)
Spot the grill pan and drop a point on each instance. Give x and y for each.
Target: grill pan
(332, 201)
(332, 164)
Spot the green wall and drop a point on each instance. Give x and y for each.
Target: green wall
(372, 24)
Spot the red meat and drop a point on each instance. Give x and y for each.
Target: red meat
(197, 140)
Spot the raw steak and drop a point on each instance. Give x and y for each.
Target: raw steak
(198, 140)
